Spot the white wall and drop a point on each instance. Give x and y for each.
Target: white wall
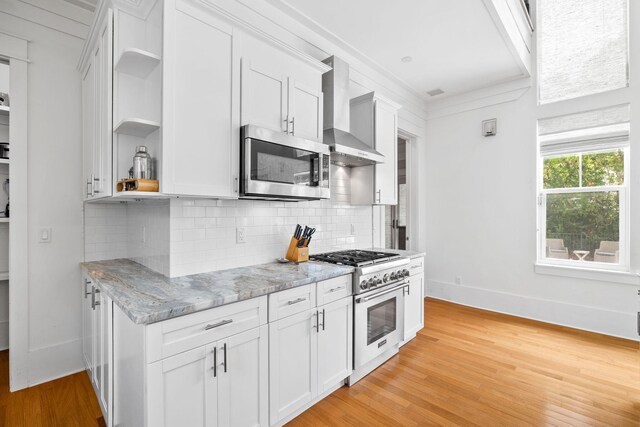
(481, 216)
(54, 189)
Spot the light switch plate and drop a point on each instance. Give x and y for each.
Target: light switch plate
(490, 127)
(45, 235)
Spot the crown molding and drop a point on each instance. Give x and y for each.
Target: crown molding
(479, 98)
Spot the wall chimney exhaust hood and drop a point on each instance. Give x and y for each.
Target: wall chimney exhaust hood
(346, 149)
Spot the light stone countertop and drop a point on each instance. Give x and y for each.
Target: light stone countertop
(146, 296)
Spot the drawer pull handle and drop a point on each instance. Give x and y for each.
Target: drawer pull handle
(295, 301)
(335, 289)
(215, 325)
(215, 362)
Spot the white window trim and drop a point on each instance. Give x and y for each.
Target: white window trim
(587, 269)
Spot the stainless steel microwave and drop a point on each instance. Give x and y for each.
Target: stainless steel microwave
(275, 165)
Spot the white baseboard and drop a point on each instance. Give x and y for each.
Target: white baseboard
(4, 335)
(592, 319)
(50, 363)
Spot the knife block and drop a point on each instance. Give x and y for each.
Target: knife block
(296, 254)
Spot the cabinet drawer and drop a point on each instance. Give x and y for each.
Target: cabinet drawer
(416, 266)
(334, 289)
(183, 333)
(292, 301)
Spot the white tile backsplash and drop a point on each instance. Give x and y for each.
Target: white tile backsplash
(187, 236)
(203, 232)
(136, 230)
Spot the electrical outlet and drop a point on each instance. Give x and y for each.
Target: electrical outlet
(45, 235)
(458, 280)
(241, 235)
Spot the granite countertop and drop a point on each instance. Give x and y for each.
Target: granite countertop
(408, 254)
(146, 296)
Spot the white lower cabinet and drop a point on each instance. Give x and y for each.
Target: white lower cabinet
(414, 300)
(97, 317)
(226, 366)
(220, 384)
(183, 390)
(309, 354)
(293, 359)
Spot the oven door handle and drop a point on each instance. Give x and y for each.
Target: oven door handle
(379, 294)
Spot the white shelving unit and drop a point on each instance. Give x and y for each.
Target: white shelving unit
(137, 62)
(4, 111)
(140, 128)
(4, 161)
(124, 195)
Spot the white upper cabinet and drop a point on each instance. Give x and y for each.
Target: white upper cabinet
(264, 96)
(305, 110)
(97, 117)
(279, 91)
(201, 97)
(374, 120)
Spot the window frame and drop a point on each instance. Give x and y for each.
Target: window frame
(624, 218)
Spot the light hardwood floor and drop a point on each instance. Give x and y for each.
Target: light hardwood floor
(467, 367)
(473, 367)
(66, 402)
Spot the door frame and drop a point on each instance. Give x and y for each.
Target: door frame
(14, 49)
(410, 154)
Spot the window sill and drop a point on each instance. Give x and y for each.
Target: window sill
(589, 273)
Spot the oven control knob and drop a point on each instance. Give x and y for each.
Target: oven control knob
(378, 281)
(371, 283)
(405, 272)
(385, 279)
(363, 284)
(393, 276)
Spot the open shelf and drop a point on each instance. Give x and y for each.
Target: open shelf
(4, 219)
(137, 127)
(137, 62)
(140, 195)
(4, 111)
(4, 161)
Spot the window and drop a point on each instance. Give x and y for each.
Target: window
(582, 47)
(584, 189)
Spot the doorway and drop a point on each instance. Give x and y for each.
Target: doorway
(396, 224)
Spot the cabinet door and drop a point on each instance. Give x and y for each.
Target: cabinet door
(414, 306)
(105, 324)
(201, 144)
(182, 389)
(243, 382)
(88, 128)
(305, 109)
(386, 142)
(292, 363)
(87, 326)
(264, 96)
(335, 342)
(102, 151)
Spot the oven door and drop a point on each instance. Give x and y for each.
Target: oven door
(379, 322)
(277, 165)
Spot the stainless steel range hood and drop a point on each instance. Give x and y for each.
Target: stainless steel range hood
(346, 149)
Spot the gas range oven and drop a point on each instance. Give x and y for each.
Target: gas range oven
(379, 286)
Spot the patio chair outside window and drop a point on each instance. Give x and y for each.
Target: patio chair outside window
(556, 249)
(607, 252)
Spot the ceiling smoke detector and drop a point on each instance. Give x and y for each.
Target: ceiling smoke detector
(406, 59)
(435, 92)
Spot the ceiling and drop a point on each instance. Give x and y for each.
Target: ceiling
(89, 5)
(454, 44)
